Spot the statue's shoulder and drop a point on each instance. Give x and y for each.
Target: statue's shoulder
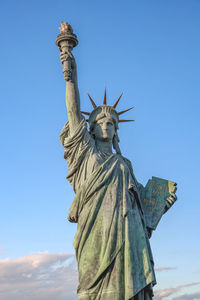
(128, 162)
(130, 166)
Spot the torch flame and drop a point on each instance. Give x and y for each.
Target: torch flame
(65, 27)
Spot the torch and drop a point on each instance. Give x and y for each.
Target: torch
(66, 41)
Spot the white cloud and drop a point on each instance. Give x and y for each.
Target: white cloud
(193, 296)
(161, 294)
(39, 276)
(43, 276)
(160, 269)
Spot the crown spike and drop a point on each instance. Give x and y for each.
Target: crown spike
(120, 121)
(85, 113)
(104, 98)
(114, 106)
(93, 104)
(123, 111)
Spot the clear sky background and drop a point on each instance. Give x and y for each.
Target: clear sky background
(150, 50)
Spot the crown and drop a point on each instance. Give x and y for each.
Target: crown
(106, 109)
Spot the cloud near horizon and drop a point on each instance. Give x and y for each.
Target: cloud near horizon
(43, 276)
(161, 294)
(160, 269)
(39, 276)
(193, 296)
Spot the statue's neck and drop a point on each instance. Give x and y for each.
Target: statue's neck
(104, 146)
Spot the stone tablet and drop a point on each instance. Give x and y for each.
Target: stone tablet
(159, 196)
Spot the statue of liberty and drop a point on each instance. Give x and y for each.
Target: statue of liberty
(112, 240)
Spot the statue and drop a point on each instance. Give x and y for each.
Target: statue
(115, 213)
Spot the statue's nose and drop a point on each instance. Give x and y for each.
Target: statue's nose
(104, 126)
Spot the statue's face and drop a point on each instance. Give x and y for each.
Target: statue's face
(104, 129)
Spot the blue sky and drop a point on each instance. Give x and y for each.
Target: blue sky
(147, 49)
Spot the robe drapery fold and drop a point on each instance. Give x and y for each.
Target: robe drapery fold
(112, 248)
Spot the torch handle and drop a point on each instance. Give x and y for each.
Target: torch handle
(67, 65)
(67, 69)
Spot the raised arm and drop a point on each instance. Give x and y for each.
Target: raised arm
(72, 94)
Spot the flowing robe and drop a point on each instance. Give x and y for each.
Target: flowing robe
(112, 247)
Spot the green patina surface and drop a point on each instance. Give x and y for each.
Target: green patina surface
(158, 196)
(115, 214)
(111, 243)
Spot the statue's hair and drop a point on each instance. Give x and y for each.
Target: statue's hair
(101, 112)
(116, 143)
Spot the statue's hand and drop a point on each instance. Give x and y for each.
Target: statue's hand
(67, 56)
(170, 201)
(72, 219)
